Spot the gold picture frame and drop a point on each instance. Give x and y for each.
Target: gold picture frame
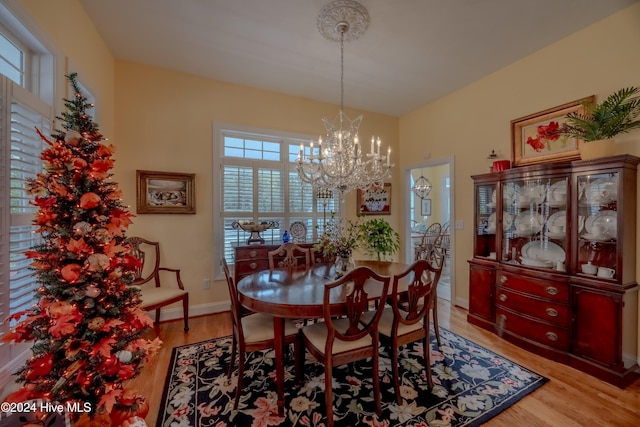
(165, 192)
(374, 201)
(530, 144)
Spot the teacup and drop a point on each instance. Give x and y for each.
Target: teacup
(589, 268)
(606, 272)
(597, 230)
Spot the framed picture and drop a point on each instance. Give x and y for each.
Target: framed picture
(375, 201)
(165, 193)
(533, 140)
(426, 207)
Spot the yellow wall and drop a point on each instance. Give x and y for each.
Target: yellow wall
(165, 123)
(476, 119)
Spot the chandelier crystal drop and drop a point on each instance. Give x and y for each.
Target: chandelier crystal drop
(339, 162)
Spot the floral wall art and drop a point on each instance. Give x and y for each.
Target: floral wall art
(375, 201)
(535, 138)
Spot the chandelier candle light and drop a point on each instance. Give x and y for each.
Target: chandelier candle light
(338, 162)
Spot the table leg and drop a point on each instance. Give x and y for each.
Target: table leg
(278, 330)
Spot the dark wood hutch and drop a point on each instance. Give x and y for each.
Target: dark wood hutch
(553, 267)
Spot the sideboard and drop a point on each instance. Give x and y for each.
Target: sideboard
(553, 267)
(251, 258)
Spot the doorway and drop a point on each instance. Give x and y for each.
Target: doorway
(422, 210)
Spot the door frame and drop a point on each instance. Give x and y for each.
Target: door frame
(408, 247)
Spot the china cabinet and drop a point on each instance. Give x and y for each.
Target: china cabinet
(553, 267)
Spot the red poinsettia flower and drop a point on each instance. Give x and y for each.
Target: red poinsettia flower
(44, 216)
(40, 367)
(78, 246)
(44, 201)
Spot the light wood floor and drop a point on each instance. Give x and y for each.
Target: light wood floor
(571, 398)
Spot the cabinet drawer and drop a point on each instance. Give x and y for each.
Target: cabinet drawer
(249, 253)
(542, 309)
(541, 288)
(532, 329)
(244, 268)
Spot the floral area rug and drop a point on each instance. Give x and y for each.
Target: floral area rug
(471, 385)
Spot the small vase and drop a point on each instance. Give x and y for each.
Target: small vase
(597, 149)
(343, 265)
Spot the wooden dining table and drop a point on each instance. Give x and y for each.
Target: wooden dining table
(286, 294)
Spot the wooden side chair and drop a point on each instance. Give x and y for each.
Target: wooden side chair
(337, 341)
(406, 319)
(154, 294)
(290, 260)
(254, 332)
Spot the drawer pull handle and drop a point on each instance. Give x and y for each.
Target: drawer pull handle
(504, 279)
(502, 297)
(253, 254)
(253, 265)
(552, 312)
(552, 291)
(551, 336)
(502, 319)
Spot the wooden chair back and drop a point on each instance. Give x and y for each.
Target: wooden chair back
(147, 275)
(290, 261)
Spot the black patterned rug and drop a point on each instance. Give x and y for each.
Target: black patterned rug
(471, 385)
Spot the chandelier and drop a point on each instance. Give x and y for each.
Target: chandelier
(422, 188)
(338, 162)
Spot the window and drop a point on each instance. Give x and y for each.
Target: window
(259, 182)
(26, 94)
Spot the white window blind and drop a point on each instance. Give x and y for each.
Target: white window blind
(260, 183)
(21, 113)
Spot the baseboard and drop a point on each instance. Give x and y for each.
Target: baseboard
(175, 313)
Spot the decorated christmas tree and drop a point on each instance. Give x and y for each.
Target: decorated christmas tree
(87, 324)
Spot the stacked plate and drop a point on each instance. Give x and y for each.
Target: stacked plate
(601, 226)
(541, 253)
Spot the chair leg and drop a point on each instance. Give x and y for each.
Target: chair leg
(328, 391)
(436, 328)
(232, 362)
(396, 372)
(185, 311)
(241, 356)
(376, 382)
(426, 348)
(157, 315)
(298, 356)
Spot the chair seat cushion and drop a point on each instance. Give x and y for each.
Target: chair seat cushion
(317, 335)
(386, 322)
(259, 327)
(152, 295)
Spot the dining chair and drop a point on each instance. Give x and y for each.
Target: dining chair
(290, 260)
(406, 318)
(147, 277)
(339, 340)
(435, 257)
(254, 332)
(443, 243)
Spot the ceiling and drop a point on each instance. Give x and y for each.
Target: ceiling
(413, 52)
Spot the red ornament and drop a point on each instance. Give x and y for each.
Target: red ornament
(40, 367)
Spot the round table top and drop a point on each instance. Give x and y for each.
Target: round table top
(300, 294)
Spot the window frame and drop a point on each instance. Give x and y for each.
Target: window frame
(284, 164)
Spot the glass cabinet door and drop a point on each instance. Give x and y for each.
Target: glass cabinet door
(597, 225)
(485, 239)
(534, 223)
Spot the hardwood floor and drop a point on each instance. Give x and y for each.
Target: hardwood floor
(570, 398)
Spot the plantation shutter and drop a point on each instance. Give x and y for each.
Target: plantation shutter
(21, 113)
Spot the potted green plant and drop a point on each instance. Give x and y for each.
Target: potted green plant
(617, 114)
(380, 239)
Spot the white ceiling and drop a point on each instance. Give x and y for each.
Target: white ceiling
(413, 52)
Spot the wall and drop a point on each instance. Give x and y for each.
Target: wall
(476, 119)
(165, 123)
